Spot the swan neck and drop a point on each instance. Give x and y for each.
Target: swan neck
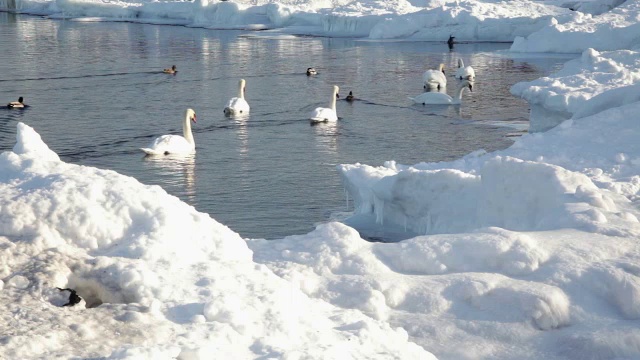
(241, 89)
(333, 101)
(460, 63)
(186, 128)
(459, 96)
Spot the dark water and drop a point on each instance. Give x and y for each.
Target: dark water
(97, 94)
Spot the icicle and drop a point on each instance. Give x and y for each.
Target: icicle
(379, 210)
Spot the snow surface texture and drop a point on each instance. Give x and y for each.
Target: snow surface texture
(158, 279)
(585, 86)
(543, 235)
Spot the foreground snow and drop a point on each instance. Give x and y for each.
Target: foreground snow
(159, 280)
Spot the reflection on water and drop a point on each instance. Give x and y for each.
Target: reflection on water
(97, 95)
(177, 171)
(326, 136)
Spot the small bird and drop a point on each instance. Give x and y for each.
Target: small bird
(350, 97)
(172, 70)
(311, 71)
(73, 297)
(17, 104)
(450, 42)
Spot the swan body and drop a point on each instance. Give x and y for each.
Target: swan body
(17, 104)
(238, 105)
(321, 114)
(175, 144)
(436, 98)
(171, 70)
(434, 79)
(465, 72)
(350, 97)
(311, 71)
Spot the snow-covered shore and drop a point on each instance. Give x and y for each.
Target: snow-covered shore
(527, 253)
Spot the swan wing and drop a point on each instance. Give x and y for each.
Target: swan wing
(432, 98)
(237, 105)
(323, 114)
(434, 77)
(169, 144)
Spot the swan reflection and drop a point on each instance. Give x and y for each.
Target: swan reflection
(177, 173)
(326, 136)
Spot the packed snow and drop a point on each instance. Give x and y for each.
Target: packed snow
(531, 252)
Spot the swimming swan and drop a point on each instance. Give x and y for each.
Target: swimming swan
(327, 114)
(175, 144)
(434, 79)
(172, 70)
(17, 104)
(463, 72)
(436, 98)
(238, 105)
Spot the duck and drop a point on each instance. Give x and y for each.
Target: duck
(434, 79)
(465, 72)
(17, 104)
(321, 114)
(311, 71)
(238, 105)
(171, 70)
(175, 144)
(350, 97)
(437, 98)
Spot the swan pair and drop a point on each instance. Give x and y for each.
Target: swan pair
(437, 98)
(176, 144)
(17, 104)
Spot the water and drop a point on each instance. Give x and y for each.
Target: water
(97, 94)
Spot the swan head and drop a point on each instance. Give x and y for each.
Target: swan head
(336, 90)
(191, 115)
(466, 84)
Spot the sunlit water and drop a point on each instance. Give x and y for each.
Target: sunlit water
(97, 94)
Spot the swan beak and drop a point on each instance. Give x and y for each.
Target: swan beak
(194, 118)
(470, 87)
(337, 96)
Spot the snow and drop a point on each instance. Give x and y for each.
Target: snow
(531, 252)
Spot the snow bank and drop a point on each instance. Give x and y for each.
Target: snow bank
(612, 30)
(585, 86)
(468, 20)
(157, 278)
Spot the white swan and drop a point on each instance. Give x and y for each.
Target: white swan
(465, 72)
(17, 104)
(175, 144)
(238, 105)
(434, 79)
(327, 114)
(436, 98)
